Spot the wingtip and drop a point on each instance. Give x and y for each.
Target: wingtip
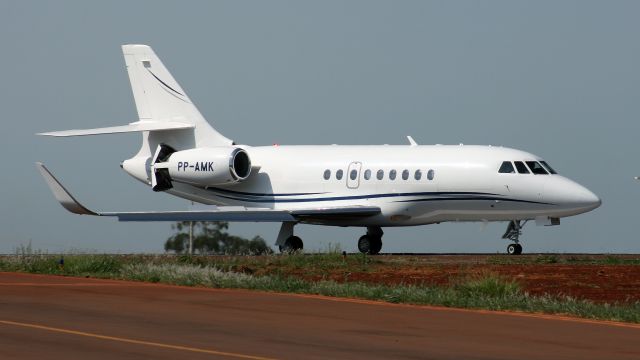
(61, 194)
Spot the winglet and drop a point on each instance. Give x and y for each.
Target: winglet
(62, 195)
(411, 141)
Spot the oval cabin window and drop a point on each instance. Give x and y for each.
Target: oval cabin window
(430, 174)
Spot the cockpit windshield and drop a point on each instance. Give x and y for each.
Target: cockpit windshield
(549, 168)
(536, 168)
(506, 168)
(522, 168)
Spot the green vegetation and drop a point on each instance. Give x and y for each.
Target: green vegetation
(211, 237)
(563, 259)
(278, 274)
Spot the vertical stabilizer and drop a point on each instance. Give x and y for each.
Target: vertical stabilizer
(159, 97)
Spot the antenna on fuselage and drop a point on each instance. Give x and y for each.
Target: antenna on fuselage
(411, 141)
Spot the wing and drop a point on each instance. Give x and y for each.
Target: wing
(216, 213)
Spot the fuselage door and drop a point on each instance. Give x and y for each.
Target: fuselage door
(353, 175)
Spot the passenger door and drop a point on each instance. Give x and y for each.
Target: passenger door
(353, 175)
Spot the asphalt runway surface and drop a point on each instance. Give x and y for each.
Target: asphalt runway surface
(50, 317)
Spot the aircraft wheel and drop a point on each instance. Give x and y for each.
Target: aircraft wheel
(292, 244)
(369, 245)
(364, 244)
(514, 249)
(376, 245)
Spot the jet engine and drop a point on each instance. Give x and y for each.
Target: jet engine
(201, 167)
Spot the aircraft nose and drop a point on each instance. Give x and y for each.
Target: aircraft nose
(571, 196)
(581, 198)
(586, 198)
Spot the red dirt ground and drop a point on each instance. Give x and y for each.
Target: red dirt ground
(595, 282)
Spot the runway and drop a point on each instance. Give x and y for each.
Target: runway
(43, 317)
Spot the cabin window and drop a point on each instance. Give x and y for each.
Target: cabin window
(380, 174)
(507, 168)
(536, 168)
(430, 174)
(367, 174)
(405, 174)
(327, 174)
(392, 175)
(549, 168)
(418, 175)
(353, 174)
(339, 174)
(522, 168)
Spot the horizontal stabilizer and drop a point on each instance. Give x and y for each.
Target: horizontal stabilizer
(212, 213)
(133, 127)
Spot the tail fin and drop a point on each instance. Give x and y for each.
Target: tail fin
(166, 114)
(159, 98)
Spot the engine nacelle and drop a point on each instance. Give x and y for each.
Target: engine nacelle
(200, 167)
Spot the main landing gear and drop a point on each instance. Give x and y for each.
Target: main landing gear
(287, 242)
(514, 230)
(371, 243)
(291, 244)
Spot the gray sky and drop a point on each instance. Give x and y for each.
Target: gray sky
(555, 78)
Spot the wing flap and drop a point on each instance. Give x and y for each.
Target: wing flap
(343, 211)
(219, 214)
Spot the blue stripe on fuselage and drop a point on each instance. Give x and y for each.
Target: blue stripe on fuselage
(458, 196)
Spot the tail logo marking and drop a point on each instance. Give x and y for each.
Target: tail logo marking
(165, 84)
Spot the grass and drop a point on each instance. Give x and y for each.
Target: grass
(273, 273)
(563, 259)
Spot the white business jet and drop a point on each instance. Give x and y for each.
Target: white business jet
(372, 186)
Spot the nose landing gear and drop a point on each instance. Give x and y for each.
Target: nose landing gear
(514, 249)
(514, 230)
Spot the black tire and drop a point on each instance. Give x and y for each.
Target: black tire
(292, 244)
(518, 249)
(297, 243)
(369, 245)
(376, 246)
(512, 249)
(364, 244)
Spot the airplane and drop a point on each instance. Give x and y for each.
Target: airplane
(372, 187)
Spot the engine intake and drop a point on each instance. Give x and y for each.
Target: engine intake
(240, 164)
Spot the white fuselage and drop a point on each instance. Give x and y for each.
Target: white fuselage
(456, 183)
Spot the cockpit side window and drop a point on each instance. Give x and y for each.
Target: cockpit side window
(549, 168)
(522, 168)
(506, 168)
(536, 168)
